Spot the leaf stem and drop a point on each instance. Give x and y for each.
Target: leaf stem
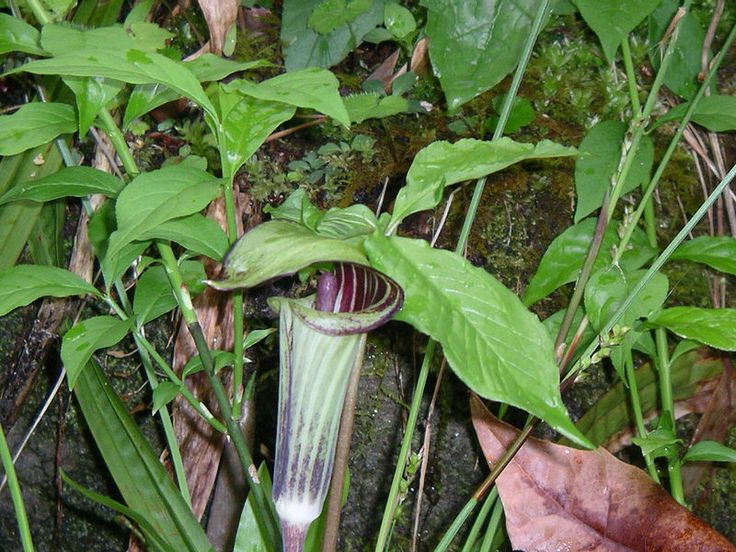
(118, 142)
(195, 403)
(630, 77)
(636, 411)
(503, 118)
(411, 422)
(264, 509)
(39, 12)
(673, 144)
(488, 502)
(15, 494)
(663, 257)
(460, 248)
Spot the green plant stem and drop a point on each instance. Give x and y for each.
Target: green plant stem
(195, 403)
(664, 379)
(388, 512)
(168, 427)
(488, 502)
(15, 494)
(630, 77)
(667, 409)
(503, 118)
(39, 12)
(263, 508)
(228, 194)
(118, 142)
(637, 214)
(636, 411)
(660, 260)
(577, 293)
(493, 528)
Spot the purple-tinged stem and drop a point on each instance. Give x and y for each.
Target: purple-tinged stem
(293, 535)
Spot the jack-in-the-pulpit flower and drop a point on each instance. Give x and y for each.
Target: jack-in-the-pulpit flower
(322, 339)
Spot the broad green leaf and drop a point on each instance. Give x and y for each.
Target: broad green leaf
(18, 36)
(564, 257)
(101, 225)
(35, 124)
(441, 164)
(195, 232)
(207, 67)
(714, 327)
(600, 152)
(372, 106)
(718, 252)
(311, 88)
(337, 222)
(716, 113)
(153, 295)
(84, 338)
(163, 394)
(492, 342)
(62, 39)
(474, 44)
(159, 196)
(141, 478)
(682, 73)
(247, 122)
(132, 66)
(256, 336)
(612, 414)
(92, 94)
(58, 8)
(18, 219)
(609, 287)
(138, 12)
(613, 20)
(220, 359)
(709, 451)
(67, 182)
(348, 222)
(23, 284)
(331, 14)
(660, 443)
(521, 114)
(277, 248)
(305, 47)
(398, 20)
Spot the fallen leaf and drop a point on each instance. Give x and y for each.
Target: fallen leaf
(384, 73)
(220, 16)
(419, 64)
(560, 498)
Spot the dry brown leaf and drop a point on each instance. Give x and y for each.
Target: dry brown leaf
(560, 498)
(419, 63)
(719, 415)
(220, 16)
(384, 73)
